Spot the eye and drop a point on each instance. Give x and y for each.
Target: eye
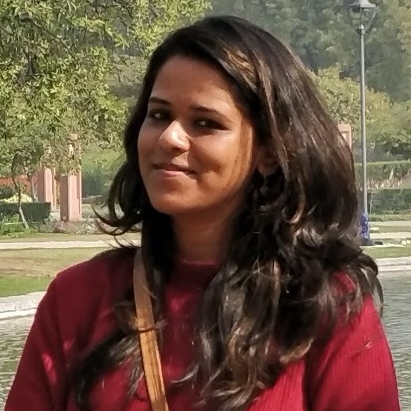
(210, 124)
(156, 114)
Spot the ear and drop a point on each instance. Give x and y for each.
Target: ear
(266, 163)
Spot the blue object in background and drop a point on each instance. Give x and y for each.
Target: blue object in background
(364, 227)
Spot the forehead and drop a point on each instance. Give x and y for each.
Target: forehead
(188, 78)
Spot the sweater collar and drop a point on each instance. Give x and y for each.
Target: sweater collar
(193, 274)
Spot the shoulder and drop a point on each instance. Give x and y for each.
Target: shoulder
(109, 270)
(81, 299)
(358, 315)
(358, 327)
(354, 369)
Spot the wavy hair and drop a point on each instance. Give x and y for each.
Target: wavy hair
(277, 293)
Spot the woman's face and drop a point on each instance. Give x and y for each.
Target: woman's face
(196, 148)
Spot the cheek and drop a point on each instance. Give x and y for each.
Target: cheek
(140, 153)
(237, 156)
(144, 147)
(230, 165)
(242, 165)
(216, 160)
(141, 140)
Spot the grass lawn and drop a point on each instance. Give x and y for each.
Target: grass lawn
(62, 237)
(18, 285)
(390, 217)
(388, 252)
(24, 271)
(54, 237)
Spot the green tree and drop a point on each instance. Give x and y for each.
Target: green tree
(342, 97)
(388, 122)
(322, 34)
(58, 60)
(144, 23)
(389, 50)
(393, 133)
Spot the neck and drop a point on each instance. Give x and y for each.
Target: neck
(202, 241)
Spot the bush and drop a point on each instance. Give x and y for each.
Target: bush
(389, 217)
(34, 212)
(386, 174)
(14, 198)
(11, 226)
(5, 192)
(390, 201)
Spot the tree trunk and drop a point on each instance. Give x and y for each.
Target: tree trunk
(17, 185)
(33, 193)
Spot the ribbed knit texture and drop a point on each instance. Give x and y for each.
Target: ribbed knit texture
(353, 373)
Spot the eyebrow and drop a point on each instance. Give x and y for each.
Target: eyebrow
(154, 99)
(195, 107)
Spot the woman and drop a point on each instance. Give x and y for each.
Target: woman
(245, 192)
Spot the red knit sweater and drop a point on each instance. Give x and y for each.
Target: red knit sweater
(354, 372)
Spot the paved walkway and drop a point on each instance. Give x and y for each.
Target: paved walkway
(19, 306)
(16, 245)
(399, 235)
(26, 304)
(396, 223)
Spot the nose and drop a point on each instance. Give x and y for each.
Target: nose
(174, 137)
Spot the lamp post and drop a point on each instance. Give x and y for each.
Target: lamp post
(365, 13)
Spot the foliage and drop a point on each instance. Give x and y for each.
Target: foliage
(145, 24)
(390, 201)
(5, 192)
(342, 96)
(392, 133)
(388, 122)
(390, 217)
(389, 49)
(53, 84)
(14, 199)
(69, 68)
(58, 60)
(34, 212)
(52, 88)
(387, 174)
(322, 33)
(98, 168)
(324, 36)
(96, 181)
(11, 226)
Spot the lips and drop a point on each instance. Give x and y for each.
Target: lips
(170, 167)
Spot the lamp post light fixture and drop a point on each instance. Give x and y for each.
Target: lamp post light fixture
(364, 13)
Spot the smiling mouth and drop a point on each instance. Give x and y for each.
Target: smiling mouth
(172, 168)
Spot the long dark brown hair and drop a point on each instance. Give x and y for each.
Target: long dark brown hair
(277, 291)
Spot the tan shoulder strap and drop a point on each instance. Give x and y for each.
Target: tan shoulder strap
(148, 338)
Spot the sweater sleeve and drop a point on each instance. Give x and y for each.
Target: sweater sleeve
(40, 383)
(355, 371)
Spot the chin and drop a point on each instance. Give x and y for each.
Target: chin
(170, 205)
